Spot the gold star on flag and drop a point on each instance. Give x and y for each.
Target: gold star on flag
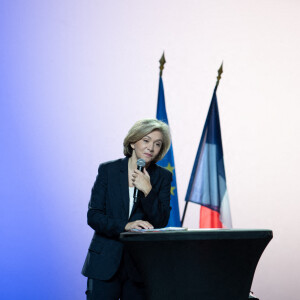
(172, 190)
(170, 168)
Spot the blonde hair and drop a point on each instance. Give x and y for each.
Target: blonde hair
(142, 128)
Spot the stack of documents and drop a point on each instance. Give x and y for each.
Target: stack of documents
(160, 229)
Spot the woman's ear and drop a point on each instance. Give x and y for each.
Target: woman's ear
(132, 146)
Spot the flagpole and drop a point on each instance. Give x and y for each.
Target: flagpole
(183, 216)
(220, 71)
(162, 62)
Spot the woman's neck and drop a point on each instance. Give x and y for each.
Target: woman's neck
(132, 163)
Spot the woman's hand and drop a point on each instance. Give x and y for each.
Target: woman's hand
(139, 224)
(141, 180)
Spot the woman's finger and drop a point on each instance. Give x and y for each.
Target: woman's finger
(145, 225)
(137, 172)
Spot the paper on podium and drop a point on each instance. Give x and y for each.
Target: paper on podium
(160, 229)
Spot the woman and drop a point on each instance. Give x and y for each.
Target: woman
(110, 271)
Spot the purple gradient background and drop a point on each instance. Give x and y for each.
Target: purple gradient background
(75, 75)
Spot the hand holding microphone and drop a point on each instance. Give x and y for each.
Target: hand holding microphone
(141, 180)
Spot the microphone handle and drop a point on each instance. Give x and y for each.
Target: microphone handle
(135, 191)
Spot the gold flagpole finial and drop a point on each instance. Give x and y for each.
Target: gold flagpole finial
(220, 71)
(162, 61)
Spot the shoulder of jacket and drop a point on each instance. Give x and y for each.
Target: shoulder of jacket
(112, 162)
(163, 171)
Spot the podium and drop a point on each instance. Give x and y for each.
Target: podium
(204, 264)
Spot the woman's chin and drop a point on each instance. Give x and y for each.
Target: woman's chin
(147, 159)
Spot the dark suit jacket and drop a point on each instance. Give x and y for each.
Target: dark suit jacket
(108, 213)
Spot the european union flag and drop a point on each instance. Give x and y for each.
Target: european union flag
(168, 161)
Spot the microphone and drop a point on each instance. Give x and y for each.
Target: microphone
(140, 166)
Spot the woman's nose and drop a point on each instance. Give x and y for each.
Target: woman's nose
(151, 146)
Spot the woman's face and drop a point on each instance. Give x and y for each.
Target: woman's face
(148, 147)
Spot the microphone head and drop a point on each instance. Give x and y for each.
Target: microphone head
(141, 163)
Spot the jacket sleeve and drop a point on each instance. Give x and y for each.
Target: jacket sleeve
(156, 205)
(97, 217)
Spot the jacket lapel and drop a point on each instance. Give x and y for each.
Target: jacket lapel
(151, 172)
(124, 185)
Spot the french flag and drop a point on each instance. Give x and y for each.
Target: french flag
(207, 185)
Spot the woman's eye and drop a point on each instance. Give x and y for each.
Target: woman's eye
(158, 145)
(146, 141)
